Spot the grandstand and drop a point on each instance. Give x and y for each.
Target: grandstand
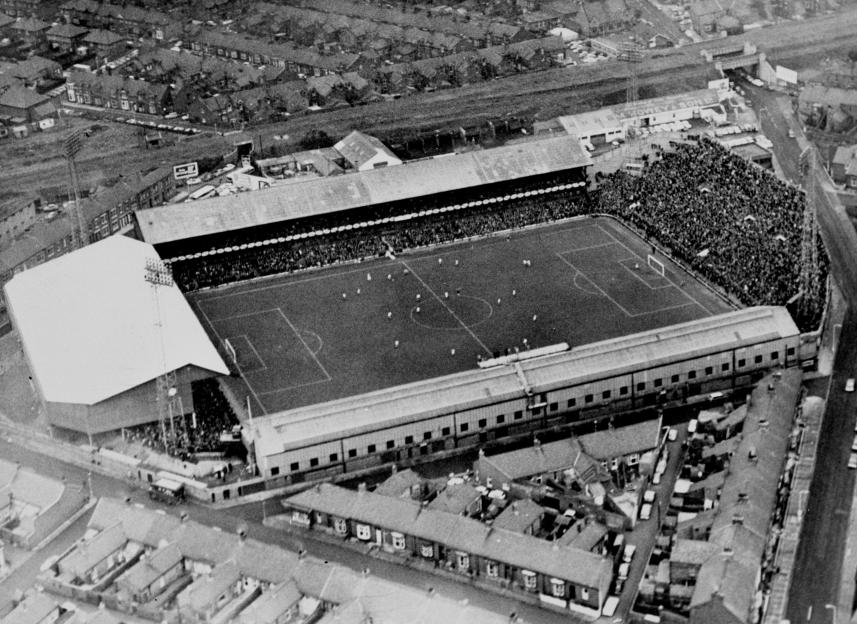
(354, 201)
(475, 406)
(96, 339)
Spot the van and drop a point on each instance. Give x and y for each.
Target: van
(691, 426)
(610, 605)
(628, 553)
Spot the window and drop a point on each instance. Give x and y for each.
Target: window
(605, 395)
(340, 526)
(492, 570)
(758, 359)
(462, 561)
(313, 462)
(352, 452)
(775, 355)
(519, 415)
(724, 367)
(588, 398)
(501, 419)
(633, 459)
(674, 379)
(398, 540)
(709, 370)
(691, 374)
(558, 588)
(572, 403)
(409, 439)
(623, 391)
(529, 579)
(427, 435)
(641, 386)
(445, 431)
(275, 471)
(483, 422)
(334, 457)
(391, 444)
(742, 363)
(554, 407)
(364, 532)
(294, 467)
(464, 427)
(790, 351)
(658, 382)
(371, 448)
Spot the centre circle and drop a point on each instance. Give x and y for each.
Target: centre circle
(452, 312)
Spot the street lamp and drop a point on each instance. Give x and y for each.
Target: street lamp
(832, 608)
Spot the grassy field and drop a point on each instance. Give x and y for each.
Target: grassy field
(320, 335)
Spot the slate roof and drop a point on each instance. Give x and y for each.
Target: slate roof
(620, 441)
(150, 568)
(457, 532)
(519, 516)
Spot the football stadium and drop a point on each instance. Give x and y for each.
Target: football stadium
(385, 315)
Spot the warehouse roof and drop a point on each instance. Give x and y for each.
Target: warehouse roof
(417, 401)
(80, 315)
(321, 196)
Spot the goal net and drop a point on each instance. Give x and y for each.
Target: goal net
(230, 353)
(656, 265)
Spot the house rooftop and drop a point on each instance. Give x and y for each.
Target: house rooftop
(519, 516)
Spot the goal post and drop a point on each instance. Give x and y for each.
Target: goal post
(230, 352)
(656, 265)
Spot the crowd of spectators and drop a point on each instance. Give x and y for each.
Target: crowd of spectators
(374, 241)
(732, 222)
(735, 223)
(187, 436)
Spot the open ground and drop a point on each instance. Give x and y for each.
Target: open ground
(320, 335)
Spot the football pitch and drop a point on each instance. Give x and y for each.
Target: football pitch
(325, 334)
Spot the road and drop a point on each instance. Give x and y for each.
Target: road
(251, 517)
(818, 565)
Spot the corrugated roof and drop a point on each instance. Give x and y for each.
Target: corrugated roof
(358, 149)
(417, 401)
(80, 315)
(320, 196)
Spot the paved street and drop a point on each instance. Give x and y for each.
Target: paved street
(252, 515)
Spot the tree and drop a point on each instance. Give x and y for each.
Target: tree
(315, 139)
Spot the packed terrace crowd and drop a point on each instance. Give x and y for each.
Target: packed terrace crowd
(735, 223)
(732, 222)
(214, 416)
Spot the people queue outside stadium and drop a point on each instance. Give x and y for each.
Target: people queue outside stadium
(731, 221)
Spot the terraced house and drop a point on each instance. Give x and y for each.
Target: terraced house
(562, 576)
(118, 92)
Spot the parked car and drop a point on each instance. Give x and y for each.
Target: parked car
(646, 511)
(852, 461)
(849, 385)
(673, 434)
(628, 553)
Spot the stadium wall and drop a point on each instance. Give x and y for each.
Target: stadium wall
(287, 456)
(137, 406)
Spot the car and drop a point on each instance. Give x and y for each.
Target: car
(646, 511)
(172, 115)
(624, 569)
(673, 434)
(852, 461)
(656, 478)
(628, 553)
(609, 607)
(691, 426)
(791, 133)
(854, 444)
(649, 496)
(849, 385)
